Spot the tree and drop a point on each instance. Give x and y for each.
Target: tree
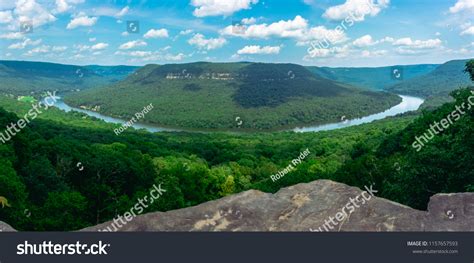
(69, 210)
(470, 68)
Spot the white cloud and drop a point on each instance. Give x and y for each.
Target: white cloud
(356, 9)
(65, 5)
(12, 35)
(6, 17)
(387, 39)
(41, 49)
(176, 57)
(78, 56)
(135, 53)
(139, 55)
(59, 48)
(297, 28)
(92, 39)
(375, 53)
(247, 50)
(122, 12)
(462, 5)
(99, 46)
(124, 33)
(202, 43)
(282, 28)
(249, 21)
(81, 20)
(468, 31)
(25, 43)
(338, 52)
(61, 6)
(156, 33)
(418, 44)
(220, 7)
(82, 47)
(407, 46)
(31, 11)
(133, 44)
(364, 41)
(186, 32)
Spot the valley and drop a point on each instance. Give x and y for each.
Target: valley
(73, 161)
(210, 96)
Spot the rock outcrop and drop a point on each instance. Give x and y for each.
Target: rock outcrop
(4, 227)
(308, 207)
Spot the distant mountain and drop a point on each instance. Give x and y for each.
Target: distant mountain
(376, 78)
(113, 73)
(34, 78)
(233, 95)
(439, 83)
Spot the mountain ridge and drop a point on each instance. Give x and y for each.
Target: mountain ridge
(21, 78)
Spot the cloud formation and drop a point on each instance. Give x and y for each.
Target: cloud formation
(357, 9)
(81, 20)
(220, 7)
(255, 49)
(210, 43)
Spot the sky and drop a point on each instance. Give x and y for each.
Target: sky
(335, 33)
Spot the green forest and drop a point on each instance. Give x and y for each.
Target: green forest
(211, 96)
(67, 171)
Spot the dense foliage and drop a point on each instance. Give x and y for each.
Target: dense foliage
(40, 172)
(269, 85)
(212, 95)
(402, 174)
(66, 171)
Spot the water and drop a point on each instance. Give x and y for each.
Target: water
(408, 104)
(60, 104)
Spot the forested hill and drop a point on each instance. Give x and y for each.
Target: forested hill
(444, 164)
(23, 78)
(440, 82)
(374, 78)
(211, 96)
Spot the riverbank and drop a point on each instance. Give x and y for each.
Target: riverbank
(409, 103)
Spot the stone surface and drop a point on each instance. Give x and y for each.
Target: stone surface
(4, 227)
(305, 207)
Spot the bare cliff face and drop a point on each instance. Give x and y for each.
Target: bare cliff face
(310, 207)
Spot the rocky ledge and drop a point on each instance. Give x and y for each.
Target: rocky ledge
(308, 207)
(4, 227)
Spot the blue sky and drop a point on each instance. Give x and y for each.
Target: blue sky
(308, 32)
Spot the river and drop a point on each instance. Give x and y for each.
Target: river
(408, 103)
